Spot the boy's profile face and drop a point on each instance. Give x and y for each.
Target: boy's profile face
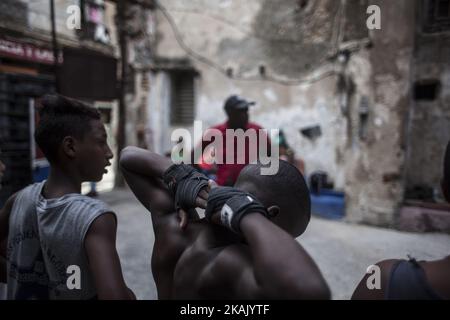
(93, 153)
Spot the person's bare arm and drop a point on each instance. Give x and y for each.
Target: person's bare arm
(362, 291)
(2, 170)
(4, 230)
(143, 171)
(273, 265)
(282, 269)
(2, 270)
(104, 263)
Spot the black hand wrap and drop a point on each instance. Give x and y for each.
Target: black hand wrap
(233, 205)
(185, 183)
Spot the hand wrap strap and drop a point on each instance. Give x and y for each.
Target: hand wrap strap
(185, 183)
(233, 205)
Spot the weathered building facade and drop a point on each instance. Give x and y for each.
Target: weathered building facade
(28, 70)
(315, 64)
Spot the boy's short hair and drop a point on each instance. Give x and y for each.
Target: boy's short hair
(287, 188)
(61, 117)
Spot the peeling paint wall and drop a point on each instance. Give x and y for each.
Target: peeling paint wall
(361, 105)
(288, 41)
(141, 36)
(374, 179)
(429, 126)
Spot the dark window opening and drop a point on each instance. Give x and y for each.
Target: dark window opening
(426, 91)
(302, 4)
(364, 118)
(311, 133)
(182, 106)
(262, 70)
(443, 9)
(436, 15)
(229, 72)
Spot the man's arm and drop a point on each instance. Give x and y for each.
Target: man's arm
(4, 230)
(282, 269)
(104, 263)
(278, 266)
(143, 171)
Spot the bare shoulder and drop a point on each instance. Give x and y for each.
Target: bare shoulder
(5, 210)
(362, 291)
(105, 223)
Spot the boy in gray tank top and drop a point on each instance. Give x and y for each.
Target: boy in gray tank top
(60, 244)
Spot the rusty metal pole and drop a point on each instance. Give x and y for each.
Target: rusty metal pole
(121, 133)
(54, 45)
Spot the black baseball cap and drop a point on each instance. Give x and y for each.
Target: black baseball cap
(237, 103)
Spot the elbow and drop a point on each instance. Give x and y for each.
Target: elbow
(313, 290)
(127, 156)
(117, 294)
(320, 291)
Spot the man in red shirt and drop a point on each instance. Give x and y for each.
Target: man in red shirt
(230, 161)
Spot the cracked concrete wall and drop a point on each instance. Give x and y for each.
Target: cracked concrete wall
(375, 170)
(241, 35)
(289, 41)
(429, 128)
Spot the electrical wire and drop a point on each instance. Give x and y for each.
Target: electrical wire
(213, 65)
(233, 25)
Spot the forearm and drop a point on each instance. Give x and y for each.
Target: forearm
(131, 295)
(2, 269)
(144, 162)
(282, 268)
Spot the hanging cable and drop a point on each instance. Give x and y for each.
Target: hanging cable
(218, 68)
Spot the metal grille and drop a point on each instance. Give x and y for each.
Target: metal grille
(182, 107)
(15, 144)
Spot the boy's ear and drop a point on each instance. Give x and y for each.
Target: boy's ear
(273, 211)
(68, 146)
